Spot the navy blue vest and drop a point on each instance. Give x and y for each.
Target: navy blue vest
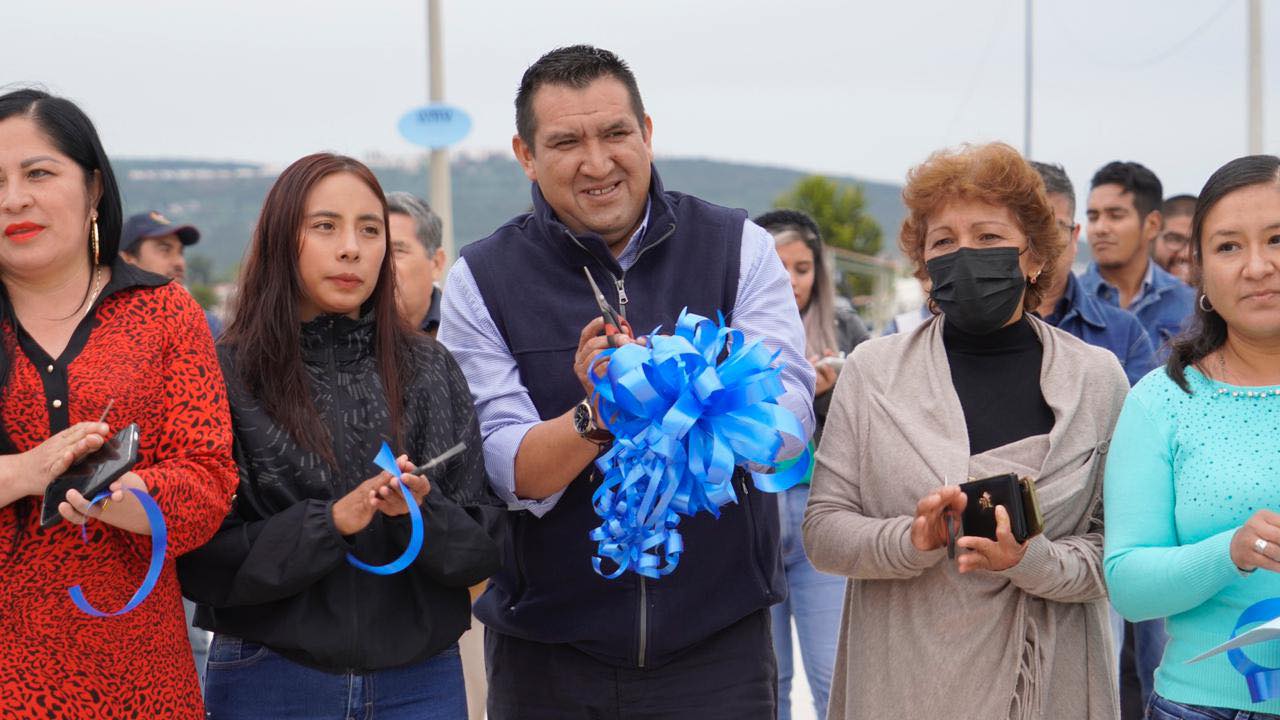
(529, 273)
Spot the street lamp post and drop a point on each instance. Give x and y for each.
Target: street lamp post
(440, 184)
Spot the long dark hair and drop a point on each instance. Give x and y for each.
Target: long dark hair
(73, 134)
(1208, 330)
(265, 332)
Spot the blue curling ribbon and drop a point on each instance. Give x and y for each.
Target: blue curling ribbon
(159, 544)
(386, 460)
(1263, 682)
(683, 417)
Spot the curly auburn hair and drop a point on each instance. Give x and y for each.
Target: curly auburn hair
(994, 174)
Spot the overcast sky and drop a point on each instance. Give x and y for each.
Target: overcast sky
(858, 88)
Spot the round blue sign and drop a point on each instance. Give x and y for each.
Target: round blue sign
(435, 126)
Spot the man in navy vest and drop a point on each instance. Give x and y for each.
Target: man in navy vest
(520, 318)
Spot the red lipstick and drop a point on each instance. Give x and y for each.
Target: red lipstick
(23, 231)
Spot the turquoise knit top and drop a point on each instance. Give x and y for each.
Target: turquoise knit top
(1183, 474)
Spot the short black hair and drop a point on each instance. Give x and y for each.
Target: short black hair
(1179, 205)
(576, 66)
(1137, 180)
(1056, 182)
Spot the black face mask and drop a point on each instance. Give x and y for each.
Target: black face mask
(978, 290)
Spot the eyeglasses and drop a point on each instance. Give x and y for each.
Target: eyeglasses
(1175, 241)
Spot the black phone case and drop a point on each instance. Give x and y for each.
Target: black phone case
(93, 474)
(1016, 495)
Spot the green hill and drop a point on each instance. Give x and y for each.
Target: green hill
(223, 199)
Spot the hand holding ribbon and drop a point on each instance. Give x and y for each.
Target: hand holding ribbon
(155, 527)
(113, 510)
(387, 461)
(685, 410)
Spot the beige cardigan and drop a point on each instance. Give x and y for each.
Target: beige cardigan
(1031, 642)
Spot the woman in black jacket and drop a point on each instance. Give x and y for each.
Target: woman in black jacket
(320, 372)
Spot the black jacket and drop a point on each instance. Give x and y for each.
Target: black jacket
(276, 573)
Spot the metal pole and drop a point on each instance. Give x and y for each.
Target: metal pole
(1255, 77)
(441, 187)
(1026, 78)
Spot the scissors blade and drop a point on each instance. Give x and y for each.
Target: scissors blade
(437, 460)
(595, 290)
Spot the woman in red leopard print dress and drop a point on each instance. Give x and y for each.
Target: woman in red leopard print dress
(81, 330)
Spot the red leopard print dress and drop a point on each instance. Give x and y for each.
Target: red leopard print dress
(147, 347)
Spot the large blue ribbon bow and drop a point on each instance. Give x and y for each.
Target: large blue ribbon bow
(1263, 682)
(159, 545)
(685, 409)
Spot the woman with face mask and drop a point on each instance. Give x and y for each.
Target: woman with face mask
(1192, 494)
(1006, 629)
(88, 346)
(321, 371)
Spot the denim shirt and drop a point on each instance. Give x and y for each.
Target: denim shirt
(1105, 326)
(1163, 305)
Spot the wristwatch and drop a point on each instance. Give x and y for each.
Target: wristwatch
(584, 421)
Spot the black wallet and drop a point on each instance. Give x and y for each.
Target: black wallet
(93, 474)
(1017, 495)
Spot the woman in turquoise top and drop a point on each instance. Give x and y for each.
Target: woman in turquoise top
(1192, 487)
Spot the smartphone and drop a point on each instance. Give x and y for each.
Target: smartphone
(92, 474)
(834, 361)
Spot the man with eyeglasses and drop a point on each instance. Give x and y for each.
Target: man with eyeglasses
(1066, 305)
(1172, 248)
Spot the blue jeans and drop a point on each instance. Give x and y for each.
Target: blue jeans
(199, 640)
(248, 681)
(815, 600)
(1159, 708)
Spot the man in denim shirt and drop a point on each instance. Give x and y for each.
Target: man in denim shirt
(1124, 219)
(1066, 305)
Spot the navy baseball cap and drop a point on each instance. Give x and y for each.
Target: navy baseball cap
(152, 224)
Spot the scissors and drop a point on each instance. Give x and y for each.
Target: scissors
(614, 324)
(442, 457)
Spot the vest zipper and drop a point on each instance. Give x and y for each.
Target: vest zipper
(622, 295)
(644, 622)
(619, 283)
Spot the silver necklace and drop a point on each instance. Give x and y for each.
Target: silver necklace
(1228, 377)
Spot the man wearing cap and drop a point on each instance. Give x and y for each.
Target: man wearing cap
(154, 244)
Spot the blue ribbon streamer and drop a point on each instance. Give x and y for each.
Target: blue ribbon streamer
(386, 460)
(683, 417)
(159, 544)
(1263, 682)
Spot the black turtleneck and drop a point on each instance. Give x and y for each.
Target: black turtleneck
(997, 377)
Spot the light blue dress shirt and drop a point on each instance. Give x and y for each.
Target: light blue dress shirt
(764, 309)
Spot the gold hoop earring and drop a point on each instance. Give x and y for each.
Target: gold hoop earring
(93, 235)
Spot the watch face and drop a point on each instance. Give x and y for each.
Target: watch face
(582, 418)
